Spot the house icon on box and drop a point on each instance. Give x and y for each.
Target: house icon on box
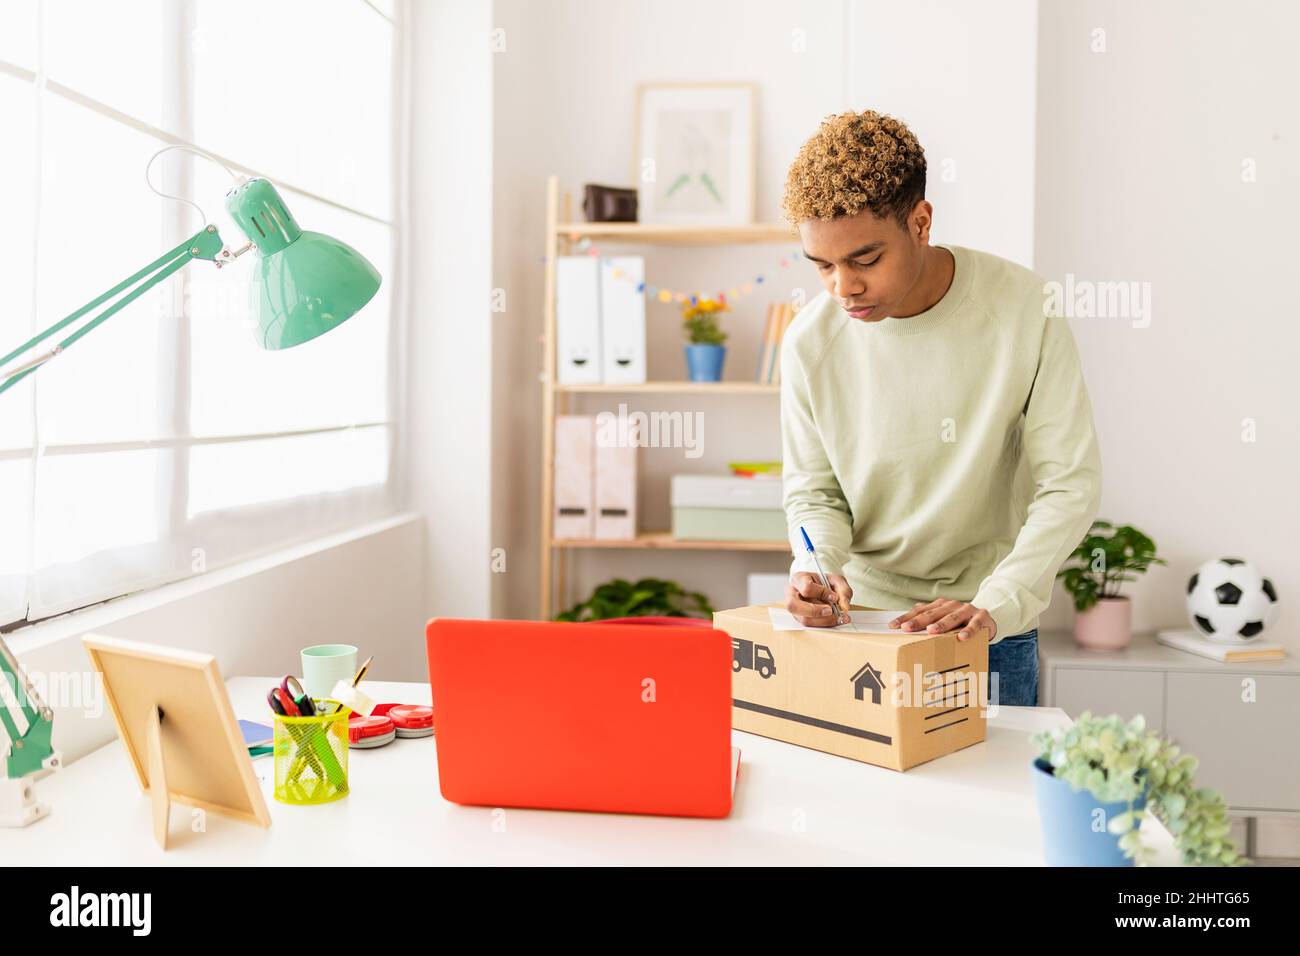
(866, 680)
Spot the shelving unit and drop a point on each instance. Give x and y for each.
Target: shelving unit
(675, 235)
(664, 541)
(676, 388)
(561, 234)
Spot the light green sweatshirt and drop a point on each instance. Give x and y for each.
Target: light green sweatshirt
(948, 454)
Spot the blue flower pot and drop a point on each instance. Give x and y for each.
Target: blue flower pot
(1072, 835)
(704, 362)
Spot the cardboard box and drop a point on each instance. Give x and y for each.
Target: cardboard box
(894, 700)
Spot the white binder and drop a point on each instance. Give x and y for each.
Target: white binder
(575, 439)
(622, 310)
(616, 467)
(577, 320)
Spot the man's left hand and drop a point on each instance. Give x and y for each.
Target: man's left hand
(946, 614)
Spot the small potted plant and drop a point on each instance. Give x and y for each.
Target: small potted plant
(1104, 561)
(1097, 780)
(648, 597)
(705, 352)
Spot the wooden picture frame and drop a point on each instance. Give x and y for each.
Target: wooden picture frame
(176, 722)
(709, 178)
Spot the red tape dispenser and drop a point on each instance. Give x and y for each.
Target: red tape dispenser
(367, 732)
(387, 722)
(410, 720)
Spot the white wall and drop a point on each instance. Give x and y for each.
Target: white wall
(448, 473)
(1140, 157)
(564, 103)
(962, 76)
(360, 587)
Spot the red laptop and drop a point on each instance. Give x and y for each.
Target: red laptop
(618, 717)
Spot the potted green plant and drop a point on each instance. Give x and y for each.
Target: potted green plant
(1097, 780)
(648, 597)
(1104, 561)
(705, 352)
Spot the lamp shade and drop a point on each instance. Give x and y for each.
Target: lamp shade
(305, 283)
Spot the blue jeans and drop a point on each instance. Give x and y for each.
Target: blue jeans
(1015, 660)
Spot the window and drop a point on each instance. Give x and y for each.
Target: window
(166, 443)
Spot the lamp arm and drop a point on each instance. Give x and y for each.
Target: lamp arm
(205, 244)
(30, 748)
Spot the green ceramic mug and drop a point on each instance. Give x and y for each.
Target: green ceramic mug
(324, 665)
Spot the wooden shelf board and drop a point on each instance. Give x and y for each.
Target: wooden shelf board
(764, 232)
(682, 387)
(664, 540)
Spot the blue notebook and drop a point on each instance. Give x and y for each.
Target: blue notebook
(255, 734)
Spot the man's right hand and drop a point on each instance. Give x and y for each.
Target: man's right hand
(813, 605)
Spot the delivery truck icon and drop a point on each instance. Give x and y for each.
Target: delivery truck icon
(754, 656)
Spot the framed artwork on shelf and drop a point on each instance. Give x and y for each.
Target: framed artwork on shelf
(695, 153)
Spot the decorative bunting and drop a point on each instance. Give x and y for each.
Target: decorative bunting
(726, 294)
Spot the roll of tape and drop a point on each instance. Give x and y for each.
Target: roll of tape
(352, 698)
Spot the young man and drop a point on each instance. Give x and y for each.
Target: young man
(938, 438)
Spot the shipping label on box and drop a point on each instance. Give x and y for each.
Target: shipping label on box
(891, 699)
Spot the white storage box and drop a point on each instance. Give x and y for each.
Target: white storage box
(726, 508)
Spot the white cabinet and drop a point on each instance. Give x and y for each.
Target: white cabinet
(1243, 727)
(1111, 692)
(1242, 721)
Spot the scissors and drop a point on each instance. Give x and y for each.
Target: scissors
(288, 699)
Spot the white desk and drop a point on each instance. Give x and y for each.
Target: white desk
(793, 806)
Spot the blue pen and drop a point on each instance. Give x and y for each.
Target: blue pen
(807, 543)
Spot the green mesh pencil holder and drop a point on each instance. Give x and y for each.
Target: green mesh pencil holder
(311, 756)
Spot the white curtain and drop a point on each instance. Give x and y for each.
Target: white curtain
(17, 169)
(169, 444)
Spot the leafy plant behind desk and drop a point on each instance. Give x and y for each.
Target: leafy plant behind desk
(1106, 559)
(648, 597)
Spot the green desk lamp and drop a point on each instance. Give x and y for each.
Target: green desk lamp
(305, 284)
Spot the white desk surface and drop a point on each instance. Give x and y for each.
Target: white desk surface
(793, 806)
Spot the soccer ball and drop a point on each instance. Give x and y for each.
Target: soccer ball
(1230, 602)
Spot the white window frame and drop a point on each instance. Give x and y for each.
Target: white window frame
(377, 501)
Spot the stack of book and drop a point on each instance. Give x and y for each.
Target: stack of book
(1192, 642)
(755, 469)
(779, 317)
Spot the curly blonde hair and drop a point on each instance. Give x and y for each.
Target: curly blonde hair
(856, 161)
